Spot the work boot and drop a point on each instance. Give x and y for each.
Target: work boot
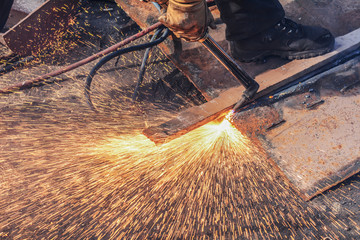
(286, 39)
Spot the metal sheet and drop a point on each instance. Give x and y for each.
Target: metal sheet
(269, 81)
(318, 144)
(39, 29)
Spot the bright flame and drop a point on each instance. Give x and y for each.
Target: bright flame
(205, 138)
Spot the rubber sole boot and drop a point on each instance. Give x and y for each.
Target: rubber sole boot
(287, 40)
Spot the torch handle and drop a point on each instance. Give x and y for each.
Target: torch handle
(210, 44)
(248, 82)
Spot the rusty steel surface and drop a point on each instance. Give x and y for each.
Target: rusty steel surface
(39, 29)
(317, 144)
(203, 70)
(143, 13)
(269, 81)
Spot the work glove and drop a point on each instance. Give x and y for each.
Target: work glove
(188, 19)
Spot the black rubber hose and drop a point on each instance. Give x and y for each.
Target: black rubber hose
(112, 55)
(143, 66)
(145, 58)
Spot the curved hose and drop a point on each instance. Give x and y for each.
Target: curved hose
(112, 55)
(143, 67)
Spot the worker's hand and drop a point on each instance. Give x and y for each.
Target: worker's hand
(188, 19)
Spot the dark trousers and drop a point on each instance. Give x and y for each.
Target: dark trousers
(5, 7)
(245, 18)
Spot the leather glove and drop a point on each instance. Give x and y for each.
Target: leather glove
(188, 19)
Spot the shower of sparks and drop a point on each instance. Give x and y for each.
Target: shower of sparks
(67, 173)
(81, 180)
